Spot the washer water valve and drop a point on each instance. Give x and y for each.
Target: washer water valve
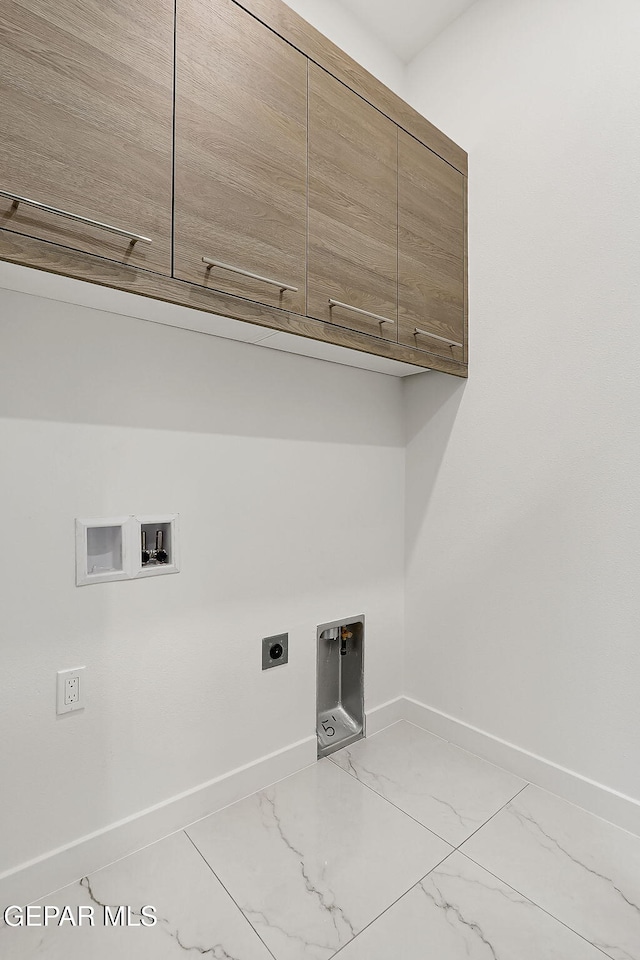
(344, 636)
(159, 555)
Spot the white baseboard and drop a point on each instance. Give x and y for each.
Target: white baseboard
(383, 716)
(617, 808)
(40, 877)
(67, 864)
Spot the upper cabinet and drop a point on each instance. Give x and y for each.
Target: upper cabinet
(223, 155)
(352, 254)
(241, 156)
(85, 115)
(431, 251)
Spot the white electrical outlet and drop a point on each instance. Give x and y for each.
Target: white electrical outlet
(70, 690)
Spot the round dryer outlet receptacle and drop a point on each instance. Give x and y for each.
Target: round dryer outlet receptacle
(275, 650)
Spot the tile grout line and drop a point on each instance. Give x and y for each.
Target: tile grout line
(519, 892)
(471, 753)
(494, 875)
(503, 769)
(476, 756)
(395, 806)
(243, 914)
(454, 849)
(535, 904)
(397, 900)
(482, 826)
(172, 833)
(444, 840)
(384, 799)
(245, 796)
(431, 733)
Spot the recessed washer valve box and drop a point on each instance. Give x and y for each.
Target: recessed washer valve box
(340, 684)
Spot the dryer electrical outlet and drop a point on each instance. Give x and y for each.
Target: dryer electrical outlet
(70, 690)
(275, 650)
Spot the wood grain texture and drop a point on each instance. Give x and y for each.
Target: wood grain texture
(466, 270)
(86, 122)
(431, 248)
(322, 51)
(352, 249)
(52, 258)
(241, 153)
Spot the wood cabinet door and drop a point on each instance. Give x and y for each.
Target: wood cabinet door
(86, 124)
(241, 155)
(352, 254)
(431, 243)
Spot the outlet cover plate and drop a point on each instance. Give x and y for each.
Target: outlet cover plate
(270, 646)
(70, 690)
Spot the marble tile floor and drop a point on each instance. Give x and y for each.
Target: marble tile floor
(400, 847)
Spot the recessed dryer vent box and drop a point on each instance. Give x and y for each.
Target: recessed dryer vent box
(102, 550)
(156, 545)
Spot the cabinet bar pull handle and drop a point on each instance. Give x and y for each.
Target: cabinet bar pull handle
(246, 273)
(434, 336)
(133, 237)
(365, 313)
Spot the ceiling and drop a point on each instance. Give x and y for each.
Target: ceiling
(406, 26)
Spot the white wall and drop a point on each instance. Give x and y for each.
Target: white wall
(523, 505)
(288, 474)
(522, 513)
